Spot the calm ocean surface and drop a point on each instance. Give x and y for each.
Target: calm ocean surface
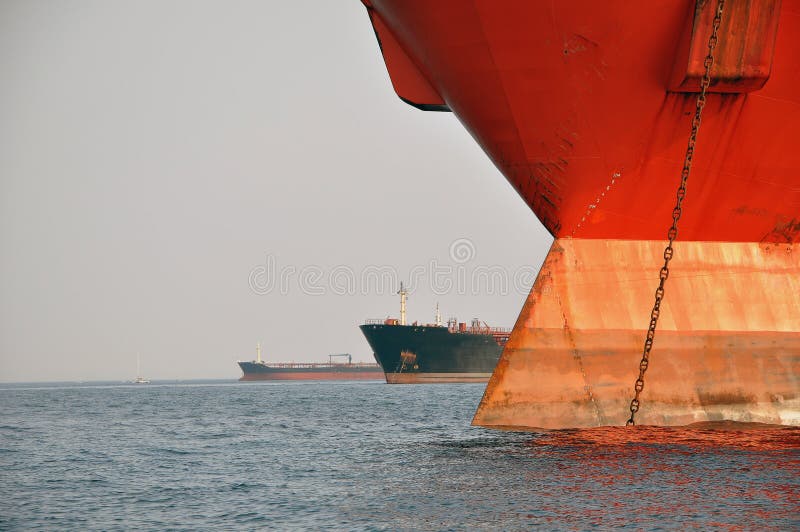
(365, 456)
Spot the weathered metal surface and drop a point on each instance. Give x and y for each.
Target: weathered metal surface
(677, 212)
(728, 344)
(743, 60)
(571, 101)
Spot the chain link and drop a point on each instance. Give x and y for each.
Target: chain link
(672, 234)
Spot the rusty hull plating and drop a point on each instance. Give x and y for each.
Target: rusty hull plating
(726, 348)
(585, 108)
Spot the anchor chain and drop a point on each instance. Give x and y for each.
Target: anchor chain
(672, 234)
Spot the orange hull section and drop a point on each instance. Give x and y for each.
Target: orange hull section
(727, 347)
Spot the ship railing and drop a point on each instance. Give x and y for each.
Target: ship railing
(494, 331)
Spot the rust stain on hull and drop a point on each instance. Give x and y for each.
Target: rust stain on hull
(743, 59)
(785, 231)
(727, 347)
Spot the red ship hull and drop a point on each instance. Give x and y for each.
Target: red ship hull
(318, 376)
(586, 108)
(298, 371)
(569, 98)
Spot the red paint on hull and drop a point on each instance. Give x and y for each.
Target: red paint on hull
(572, 102)
(564, 96)
(317, 376)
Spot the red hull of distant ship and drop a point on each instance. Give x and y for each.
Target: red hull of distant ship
(298, 371)
(318, 376)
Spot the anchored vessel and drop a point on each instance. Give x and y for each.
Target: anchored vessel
(586, 108)
(434, 352)
(258, 370)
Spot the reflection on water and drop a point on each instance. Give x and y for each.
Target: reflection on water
(695, 437)
(710, 475)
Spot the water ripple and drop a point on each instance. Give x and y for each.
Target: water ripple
(366, 456)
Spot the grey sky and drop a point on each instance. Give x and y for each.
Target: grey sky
(155, 157)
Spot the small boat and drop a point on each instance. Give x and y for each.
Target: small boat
(139, 379)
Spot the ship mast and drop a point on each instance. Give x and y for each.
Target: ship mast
(258, 352)
(438, 316)
(402, 293)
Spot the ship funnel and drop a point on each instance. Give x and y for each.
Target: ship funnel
(403, 295)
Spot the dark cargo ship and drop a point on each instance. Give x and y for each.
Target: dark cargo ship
(434, 352)
(258, 370)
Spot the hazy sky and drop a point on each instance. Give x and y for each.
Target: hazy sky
(183, 179)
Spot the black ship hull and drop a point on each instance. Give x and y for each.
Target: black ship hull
(431, 354)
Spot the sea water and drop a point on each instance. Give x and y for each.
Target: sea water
(366, 456)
